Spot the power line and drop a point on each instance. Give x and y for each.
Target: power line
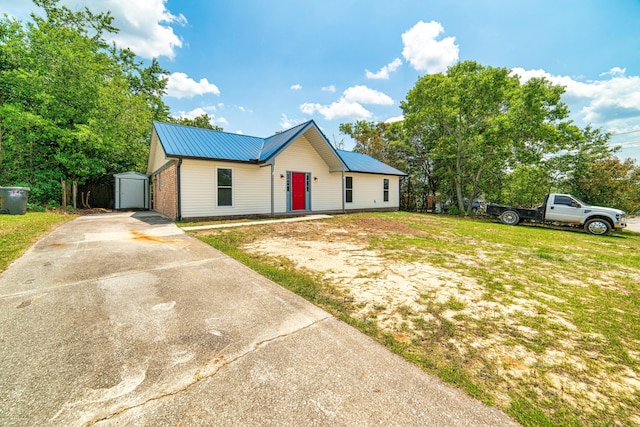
(625, 133)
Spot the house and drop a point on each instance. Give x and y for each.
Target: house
(200, 173)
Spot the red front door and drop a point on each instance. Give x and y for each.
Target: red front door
(298, 191)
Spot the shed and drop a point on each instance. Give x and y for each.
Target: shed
(131, 191)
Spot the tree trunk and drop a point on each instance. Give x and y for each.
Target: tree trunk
(64, 193)
(74, 193)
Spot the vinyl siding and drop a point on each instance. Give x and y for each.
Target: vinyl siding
(368, 188)
(251, 189)
(157, 157)
(300, 156)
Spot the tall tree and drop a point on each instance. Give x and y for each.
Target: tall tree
(71, 106)
(473, 122)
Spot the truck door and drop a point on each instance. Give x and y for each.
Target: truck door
(563, 209)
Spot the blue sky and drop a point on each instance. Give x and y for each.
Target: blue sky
(259, 66)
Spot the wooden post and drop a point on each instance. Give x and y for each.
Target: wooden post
(64, 193)
(74, 192)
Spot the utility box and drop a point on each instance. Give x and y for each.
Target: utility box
(13, 200)
(131, 191)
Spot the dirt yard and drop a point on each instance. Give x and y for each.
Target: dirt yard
(456, 294)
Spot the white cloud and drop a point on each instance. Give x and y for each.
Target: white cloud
(286, 122)
(394, 119)
(210, 110)
(145, 26)
(339, 109)
(197, 112)
(365, 95)
(384, 71)
(425, 52)
(179, 85)
(613, 103)
(330, 88)
(615, 71)
(350, 104)
(296, 87)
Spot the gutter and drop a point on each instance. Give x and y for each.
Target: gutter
(344, 193)
(179, 190)
(272, 190)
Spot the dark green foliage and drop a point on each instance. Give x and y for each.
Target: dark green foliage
(72, 107)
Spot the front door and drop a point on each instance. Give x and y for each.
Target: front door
(298, 191)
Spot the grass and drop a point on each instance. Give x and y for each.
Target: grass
(19, 232)
(547, 326)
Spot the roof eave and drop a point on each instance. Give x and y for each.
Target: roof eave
(216, 159)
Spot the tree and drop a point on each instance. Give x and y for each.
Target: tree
(474, 122)
(71, 106)
(202, 121)
(610, 182)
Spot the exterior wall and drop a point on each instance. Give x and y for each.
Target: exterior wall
(368, 192)
(165, 191)
(300, 156)
(251, 189)
(157, 157)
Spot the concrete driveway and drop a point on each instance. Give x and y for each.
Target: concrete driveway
(122, 319)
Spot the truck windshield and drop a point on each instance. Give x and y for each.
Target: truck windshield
(581, 202)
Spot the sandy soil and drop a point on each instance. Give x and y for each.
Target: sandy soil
(415, 300)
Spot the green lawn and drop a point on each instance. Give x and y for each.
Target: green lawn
(19, 232)
(542, 323)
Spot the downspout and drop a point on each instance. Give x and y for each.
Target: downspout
(179, 190)
(343, 193)
(272, 189)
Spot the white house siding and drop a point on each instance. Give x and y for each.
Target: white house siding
(251, 189)
(368, 191)
(157, 157)
(300, 156)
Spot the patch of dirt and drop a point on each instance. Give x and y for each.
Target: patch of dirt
(415, 300)
(377, 285)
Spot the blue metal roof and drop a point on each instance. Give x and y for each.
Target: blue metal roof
(187, 141)
(275, 143)
(358, 162)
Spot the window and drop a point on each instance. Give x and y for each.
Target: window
(563, 200)
(385, 190)
(225, 187)
(348, 189)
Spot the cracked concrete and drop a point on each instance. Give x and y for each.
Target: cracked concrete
(122, 319)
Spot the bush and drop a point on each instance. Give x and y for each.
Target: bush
(35, 208)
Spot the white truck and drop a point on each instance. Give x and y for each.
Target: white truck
(563, 209)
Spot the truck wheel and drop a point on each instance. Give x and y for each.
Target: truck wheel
(510, 217)
(597, 226)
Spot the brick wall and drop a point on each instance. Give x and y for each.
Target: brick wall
(165, 192)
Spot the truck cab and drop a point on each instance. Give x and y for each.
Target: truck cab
(567, 209)
(564, 208)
